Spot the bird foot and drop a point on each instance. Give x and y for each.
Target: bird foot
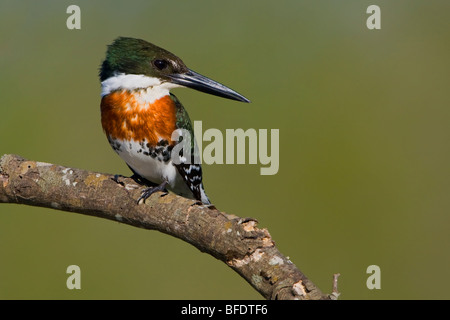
(116, 179)
(147, 192)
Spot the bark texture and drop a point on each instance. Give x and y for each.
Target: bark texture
(238, 242)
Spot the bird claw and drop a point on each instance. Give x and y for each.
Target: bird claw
(116, 179)
(147, 192)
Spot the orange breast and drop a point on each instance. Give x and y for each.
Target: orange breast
(126, 117)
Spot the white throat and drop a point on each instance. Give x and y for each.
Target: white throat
(152, 88)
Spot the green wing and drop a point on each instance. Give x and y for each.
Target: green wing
(190, 171)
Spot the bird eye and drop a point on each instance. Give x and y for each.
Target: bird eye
(160, 64)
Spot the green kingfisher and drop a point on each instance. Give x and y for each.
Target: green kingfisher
(139, 115)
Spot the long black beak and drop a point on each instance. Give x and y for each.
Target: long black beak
(194, 80)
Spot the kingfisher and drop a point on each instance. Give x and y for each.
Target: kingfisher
(145, 123)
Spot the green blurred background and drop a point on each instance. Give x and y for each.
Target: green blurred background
(364, 143)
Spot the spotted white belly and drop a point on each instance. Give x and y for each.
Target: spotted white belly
(156, 168)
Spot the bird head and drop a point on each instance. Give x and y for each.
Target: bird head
(132, 56)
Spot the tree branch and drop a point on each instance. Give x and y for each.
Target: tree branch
(238, 242)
